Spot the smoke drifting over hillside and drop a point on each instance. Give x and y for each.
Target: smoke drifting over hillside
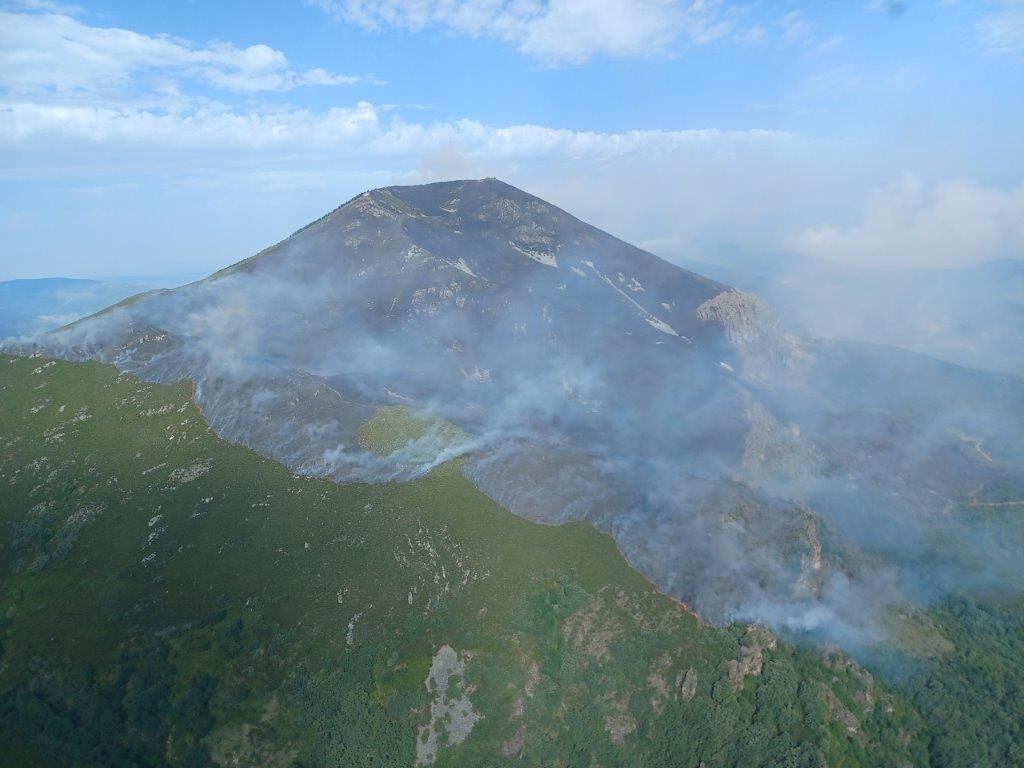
(752, 473)
(972, 316)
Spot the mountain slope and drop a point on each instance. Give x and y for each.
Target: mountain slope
(252, 617)
(746, 471)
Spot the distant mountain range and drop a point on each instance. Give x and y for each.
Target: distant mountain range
(29, 307)
(747, 469)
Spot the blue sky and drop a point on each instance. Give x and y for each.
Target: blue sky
(153, 138)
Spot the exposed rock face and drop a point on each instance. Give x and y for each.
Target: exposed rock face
(743, 315)
(751, 662)
(451, 712)
(688, 685)
(840, 712)
(766, 348)
(810, 580)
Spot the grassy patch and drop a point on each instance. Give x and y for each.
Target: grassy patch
(395, 427)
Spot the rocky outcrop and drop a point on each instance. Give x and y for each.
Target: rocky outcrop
(756, 641)
(451, 712)
(743, 315)
(764, 346)
(687, 684)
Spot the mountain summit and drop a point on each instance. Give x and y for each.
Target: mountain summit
(745, 470)
(481, 240)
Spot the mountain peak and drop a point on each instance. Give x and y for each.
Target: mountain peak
(490, 184)
(484, 199)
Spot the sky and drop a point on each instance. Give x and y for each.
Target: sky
(178, 137)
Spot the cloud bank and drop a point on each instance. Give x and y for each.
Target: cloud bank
(910, 224)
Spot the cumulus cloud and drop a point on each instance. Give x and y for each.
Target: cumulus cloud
(556, 31)
(57, 53)
(78, 99)
(915, 225)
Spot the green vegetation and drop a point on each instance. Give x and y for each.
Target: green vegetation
(974, 701)
(168, 599)
(395, 427)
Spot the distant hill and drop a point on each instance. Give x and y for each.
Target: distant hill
(35, 306)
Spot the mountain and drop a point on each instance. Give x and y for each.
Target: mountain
(752, 473)
(347, 584)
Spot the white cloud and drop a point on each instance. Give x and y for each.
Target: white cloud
(795, 27)
(1003, 31)
(555, 31)
(914, 225)
(54, 52)
(207, 127)
(357, 129)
